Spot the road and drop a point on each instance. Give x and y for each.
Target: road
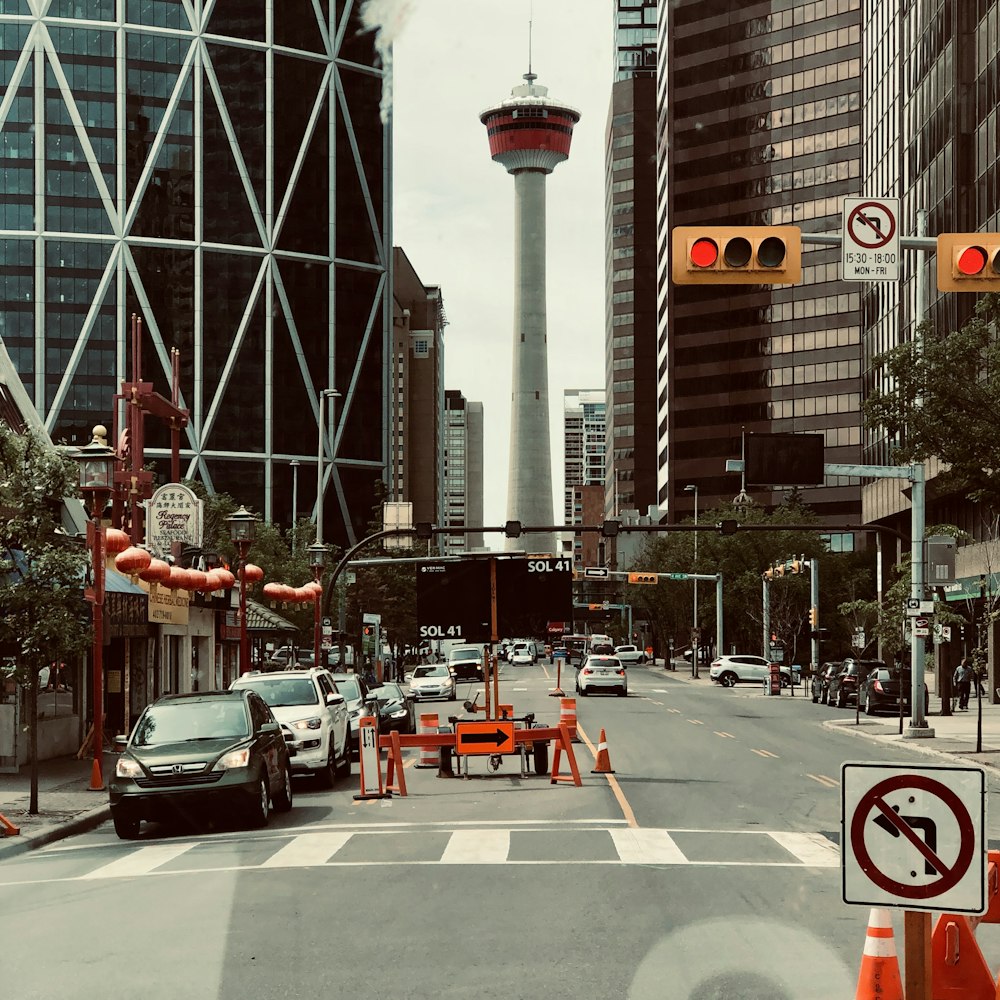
(706, 867)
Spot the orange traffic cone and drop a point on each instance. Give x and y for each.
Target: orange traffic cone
(96, 780)
(603, 760)
(879, 976)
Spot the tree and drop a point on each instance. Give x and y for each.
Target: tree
(943, 400)
(42, 613)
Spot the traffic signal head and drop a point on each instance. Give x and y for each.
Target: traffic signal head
(968, 262)
(779, 569)
(643, 577)
(736, 255)
(813, 617)
(769, 572)
(369, 630)
(796, 566)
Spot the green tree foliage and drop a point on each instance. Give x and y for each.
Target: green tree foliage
(43, 618)
(742, 559)
(943, 400)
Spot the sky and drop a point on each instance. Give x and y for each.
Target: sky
(453, 207)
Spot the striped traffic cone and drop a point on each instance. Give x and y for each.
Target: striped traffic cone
(879, 976)
(603, 760)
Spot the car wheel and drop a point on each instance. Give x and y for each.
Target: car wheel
(841, 699)
(583, 691)
(623, 692)
(824, 697)
(344, 767)
(869, 707)
(728, 679)
(454, 695)
(283, 800)
(127, 827)
(260, 811)
(327, 774)
(815, 698)
(540, 752)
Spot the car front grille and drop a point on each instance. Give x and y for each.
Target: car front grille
(194, 773)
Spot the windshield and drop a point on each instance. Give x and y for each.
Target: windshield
(349, 688)
(282, 691)
(387, 692)
(465, 654)
(192, 720)
(438, 670)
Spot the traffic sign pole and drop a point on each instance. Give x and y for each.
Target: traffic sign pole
(917, 955)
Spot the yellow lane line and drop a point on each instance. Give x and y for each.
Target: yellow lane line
(695, 722)
(660, 703)
(675, 711)
(612, 781)
(824, 780)
(763, 753)
(410, 761)
(548, 676)
(725, 736)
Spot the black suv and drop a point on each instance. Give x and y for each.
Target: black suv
(845, 682)
(190, 752)
(821, 682)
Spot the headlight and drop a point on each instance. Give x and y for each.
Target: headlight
(235, 758)
(308, 724)
(401, 714)
(127, 768)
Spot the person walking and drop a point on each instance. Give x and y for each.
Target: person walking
(962, 680)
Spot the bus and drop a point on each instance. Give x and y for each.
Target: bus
(577, 647)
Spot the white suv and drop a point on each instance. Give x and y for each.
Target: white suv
(740, 668)
(312, 712)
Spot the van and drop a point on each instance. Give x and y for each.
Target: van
(466, 663)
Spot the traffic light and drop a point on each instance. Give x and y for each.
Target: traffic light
(769, 572)
(796, 566)
(369, 630)
(968, 262)
(779, 569)
(813, 617)
(644, 578)
(736, 255)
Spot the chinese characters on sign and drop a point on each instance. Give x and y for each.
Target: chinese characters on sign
(173, 514)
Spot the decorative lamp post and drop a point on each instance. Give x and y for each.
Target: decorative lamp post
(242, 528)
(317, 559)
(97, 469)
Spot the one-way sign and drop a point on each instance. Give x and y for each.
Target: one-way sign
(596, 572)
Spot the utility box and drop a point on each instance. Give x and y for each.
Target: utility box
(940, 560)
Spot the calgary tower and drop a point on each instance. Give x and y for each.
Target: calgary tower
(529, 134)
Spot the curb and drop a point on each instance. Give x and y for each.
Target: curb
(22, 843)
(919, 745)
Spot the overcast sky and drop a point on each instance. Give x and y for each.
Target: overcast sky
(454, 207)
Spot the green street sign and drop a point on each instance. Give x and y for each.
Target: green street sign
(677, 576)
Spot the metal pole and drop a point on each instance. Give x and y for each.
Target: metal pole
(814, 603)
(244, 635)
(319, 471)
(766, 616)
(697, 649)
(295, 498)
(97, 554)
(918, 724)
(718, 615)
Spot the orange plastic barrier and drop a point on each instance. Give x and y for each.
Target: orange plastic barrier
(567, 716)
(9, 830)
(565, 744)
(879, 976)
(394, 765)
(429, 756)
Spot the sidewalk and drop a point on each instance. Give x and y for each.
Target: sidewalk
(66, 807)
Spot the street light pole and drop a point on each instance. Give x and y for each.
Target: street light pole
(295, 500)
(242, 527)
(317, 559)
(320, 491)
(97, 468)
(696, 646)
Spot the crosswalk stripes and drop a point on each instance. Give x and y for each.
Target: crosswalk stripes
(468, 845)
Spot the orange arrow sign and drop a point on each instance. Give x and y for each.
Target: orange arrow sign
(484, 737)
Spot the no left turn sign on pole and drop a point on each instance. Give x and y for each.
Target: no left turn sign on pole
(870, 239)
(914, 837)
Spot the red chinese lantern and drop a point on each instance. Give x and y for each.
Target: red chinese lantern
(197, 579)
(226, 579)
(303, 594)
(156, 572)
(132, 560)
(213, 581)
(251, 573)
(287, 593)
(116, 540)
(316, 588)
(177, 578)
(272, 591)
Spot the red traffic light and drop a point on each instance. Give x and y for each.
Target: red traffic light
(704, 253)
(968, 262)
(972, 260)
(736, 255)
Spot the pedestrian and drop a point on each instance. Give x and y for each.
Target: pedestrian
(962, 680)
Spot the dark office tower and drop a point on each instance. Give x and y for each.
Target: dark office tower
(218, 169)
(759, 115)
(630, 226)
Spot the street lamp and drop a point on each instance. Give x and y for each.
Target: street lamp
(320, 492)
(317, 559)
(695, 652)
(97, 470)
(242, 528)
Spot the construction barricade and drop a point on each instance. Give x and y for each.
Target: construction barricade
(567, 717)
(430, 756)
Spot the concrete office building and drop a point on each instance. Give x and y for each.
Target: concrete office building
(529, 135)
(220, 170)
(584, 431)
(630, 236)
(463, 471)
(758, 123)
(416, 456)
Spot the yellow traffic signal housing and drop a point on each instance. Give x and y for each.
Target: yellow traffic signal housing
(968, 262)
(736, 255)
(814, 617)
(769, 572)
(779, 569)
(644, 578)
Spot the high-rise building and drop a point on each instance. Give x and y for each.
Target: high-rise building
(759, 123)
(630, 236)
(416, 457)
(220, 170)
(463, 471)
(584, 430)
(529, 135)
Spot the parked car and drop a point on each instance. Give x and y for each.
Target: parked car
(395, 708)
(313, 714)
(881, 687)
(466, 663)
(522, 654)
(432, 680)
(191, 753)
(630, 654)
(821, 682)
(844, 683)
(704, 654)
(602, 673)
(744, 668)
(355, 691)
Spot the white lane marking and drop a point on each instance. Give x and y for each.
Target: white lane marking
(519, 689)
(647, 847)
(695, 722)
(655, 702)
(660, 690)
(477, 847)
(724, 734)
(307, 849)
(764, 753)
(140, 862)
(676, 711)
(812, 849)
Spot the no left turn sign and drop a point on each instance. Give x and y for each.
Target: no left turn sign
(870, 239)
(914, 837)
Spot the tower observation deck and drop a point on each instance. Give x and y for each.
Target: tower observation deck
(529, 134)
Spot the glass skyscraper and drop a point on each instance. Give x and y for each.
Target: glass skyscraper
(220, 170)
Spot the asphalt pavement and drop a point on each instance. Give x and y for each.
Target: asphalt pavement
(706, 866)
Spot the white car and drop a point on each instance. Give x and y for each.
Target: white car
(522, 654)
(602, 673)
(432, 680)
(630, 654)
(743, 668)
(310, 710)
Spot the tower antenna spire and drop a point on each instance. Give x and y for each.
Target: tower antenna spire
(529, 76)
